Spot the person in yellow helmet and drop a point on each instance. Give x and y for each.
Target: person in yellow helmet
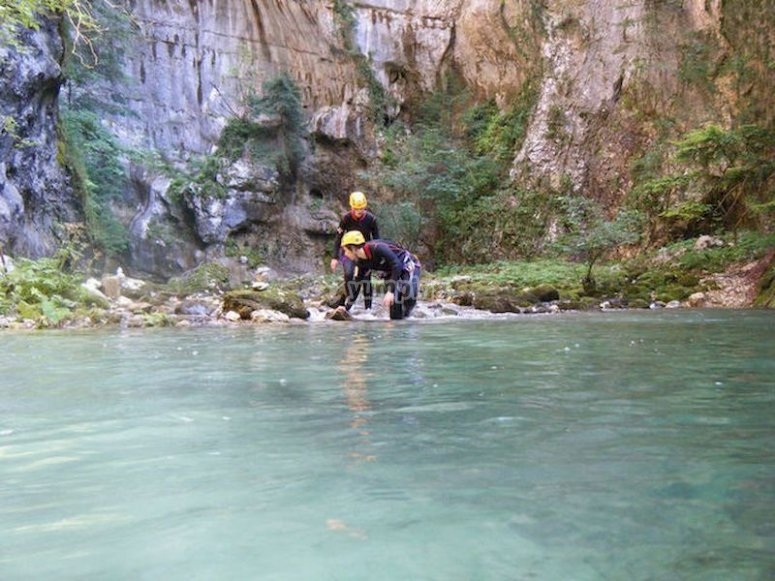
(361, 220)
(401, 268)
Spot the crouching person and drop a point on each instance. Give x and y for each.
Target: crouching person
(400, 267)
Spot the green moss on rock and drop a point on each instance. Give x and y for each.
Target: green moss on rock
(246, 301)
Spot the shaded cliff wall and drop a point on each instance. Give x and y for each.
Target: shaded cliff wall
(36, 201)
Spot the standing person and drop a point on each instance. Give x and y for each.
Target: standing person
(361, 220)
(401, 267)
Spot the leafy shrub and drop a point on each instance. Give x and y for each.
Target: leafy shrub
(449, 167)
(272, 129)
(27, 13)
(730, 184)
(736, 171)
(402, 222)
(42, 291)
(588, 235)
(94, 160)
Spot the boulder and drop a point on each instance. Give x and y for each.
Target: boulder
(245, 301)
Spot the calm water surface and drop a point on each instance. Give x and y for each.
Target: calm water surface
(632, 445)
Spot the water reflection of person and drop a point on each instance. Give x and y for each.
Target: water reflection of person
(355, 389)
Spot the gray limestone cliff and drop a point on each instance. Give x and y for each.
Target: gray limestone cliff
(36, 201)
(598, 68)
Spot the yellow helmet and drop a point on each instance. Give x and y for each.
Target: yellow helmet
(354, 237)
(358, 201)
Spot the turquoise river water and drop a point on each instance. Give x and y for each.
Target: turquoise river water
(625, 445)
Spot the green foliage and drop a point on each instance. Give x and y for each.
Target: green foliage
(41, 290)
(497, 133)
(661, 284)
(379, 100)
(402, 222)
(708, 145)
(517, 274)
(730, 184)
(450, 167)
(515, 225)
(451, 179)
(10, 127)
(94, 159)
(688, 211)
(649, 166)
(91, 64)
(736, 172)
(243, 136)
(654, 199)
(202, 181)
(749, 246)
(344, 18)
(588, 235)
(236, 249)
(697, 66)
(272, 130)
(158, 319)
(747, 29)
(16, 14)
(766, 290)
(637, 281)
(88, 150)
(556, 122)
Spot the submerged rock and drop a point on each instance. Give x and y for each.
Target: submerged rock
(339, 315)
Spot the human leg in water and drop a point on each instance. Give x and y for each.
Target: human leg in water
(350, 288)
(407, 291)
(359, 278)
(368, 291)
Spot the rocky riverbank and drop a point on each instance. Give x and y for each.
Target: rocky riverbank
(231, 294)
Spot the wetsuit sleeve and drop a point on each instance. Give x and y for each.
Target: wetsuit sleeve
(340, 230)
(381, 253)
(374, 228)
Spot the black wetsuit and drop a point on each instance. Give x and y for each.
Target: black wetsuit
(402, 272)
(355, 278)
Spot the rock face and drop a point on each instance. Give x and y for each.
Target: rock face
(611, 70)
(194, 61)
(36, 202)
(602, 74)
(190, 69)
